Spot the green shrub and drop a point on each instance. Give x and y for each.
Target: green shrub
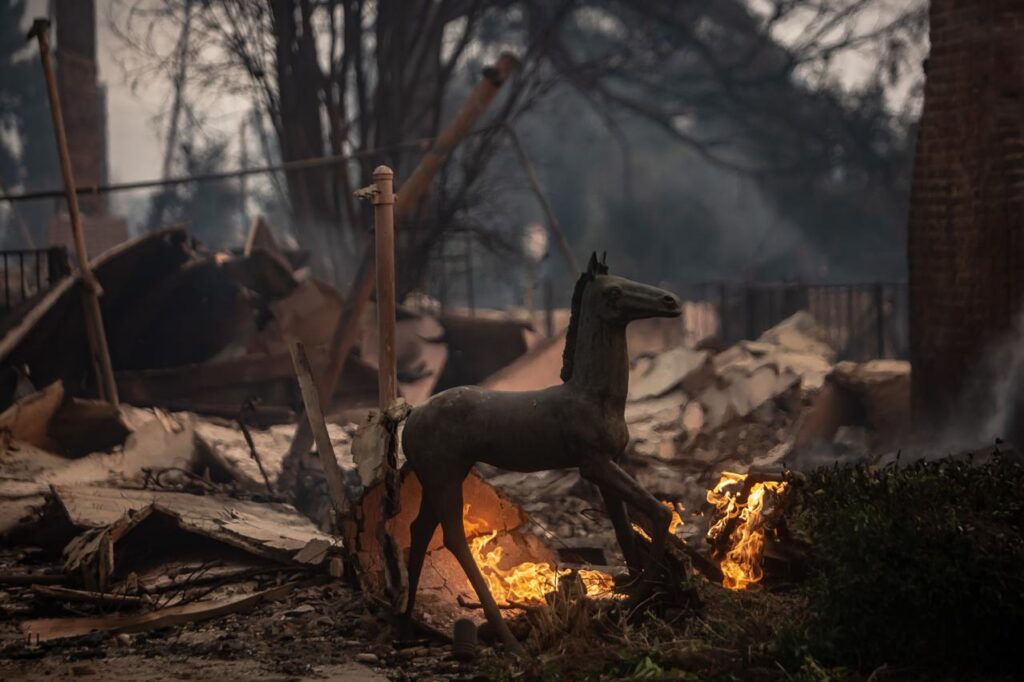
(920, 565)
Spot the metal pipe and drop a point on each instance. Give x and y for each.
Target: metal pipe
(384, 227)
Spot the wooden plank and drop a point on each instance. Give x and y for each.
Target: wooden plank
(271, 530)
(46, 629)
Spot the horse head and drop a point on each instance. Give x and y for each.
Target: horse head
(622, 300)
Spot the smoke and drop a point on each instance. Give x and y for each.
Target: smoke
(1005, 372)
(990, 407)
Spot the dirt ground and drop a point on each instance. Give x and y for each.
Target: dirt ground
(132, 668)
(323, 632)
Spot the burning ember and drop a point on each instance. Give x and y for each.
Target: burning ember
(740, 531)
(526, 582)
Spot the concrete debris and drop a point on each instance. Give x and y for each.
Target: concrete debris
(691, 406)
(882, 388)
(801, 333)
(680, 366)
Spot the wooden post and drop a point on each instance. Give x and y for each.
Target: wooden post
(347, 329)
(95, 332)
(384, 227)
(387, 374)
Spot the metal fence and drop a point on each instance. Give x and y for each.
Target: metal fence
(26, 272)
(862, 321)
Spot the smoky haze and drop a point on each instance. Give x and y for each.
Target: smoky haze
(618, 179)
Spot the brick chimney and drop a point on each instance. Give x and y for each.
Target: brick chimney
(82, 98)
(83, 101)
(966, 236)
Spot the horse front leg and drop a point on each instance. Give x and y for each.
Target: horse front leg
(607, 474)
(447, 503)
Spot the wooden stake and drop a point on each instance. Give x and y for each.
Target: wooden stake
(384, 227)
(91, 304)
(318, 425)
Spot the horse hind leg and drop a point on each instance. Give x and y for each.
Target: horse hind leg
(421, 531)
(607, 474)
(623, 530)
(448, 505)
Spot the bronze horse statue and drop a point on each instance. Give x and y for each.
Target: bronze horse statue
(580, 423)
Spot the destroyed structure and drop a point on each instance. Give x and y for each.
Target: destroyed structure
(197, 453)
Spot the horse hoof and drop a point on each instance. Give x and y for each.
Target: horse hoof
(640, 595)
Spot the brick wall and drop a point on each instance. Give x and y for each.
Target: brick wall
(965, 250)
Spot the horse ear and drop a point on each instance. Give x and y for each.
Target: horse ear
(604, 260)
(592, 266)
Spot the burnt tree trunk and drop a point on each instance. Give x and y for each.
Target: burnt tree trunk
(409, 104)
(346, 108)
(966, 252)
(300, 132)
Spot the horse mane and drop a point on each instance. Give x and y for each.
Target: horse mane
(569, 353)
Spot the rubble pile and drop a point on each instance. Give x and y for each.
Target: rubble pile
(175, 522)
(145, 531)
(693, 414)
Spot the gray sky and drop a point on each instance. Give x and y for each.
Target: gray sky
(134, 133)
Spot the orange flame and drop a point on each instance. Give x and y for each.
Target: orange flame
(673, 525)
(741, 563)
(528, 581)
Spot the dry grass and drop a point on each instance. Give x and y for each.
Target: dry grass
(730, 637)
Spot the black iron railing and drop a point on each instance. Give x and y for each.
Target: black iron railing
(862, 320)
(26, 272)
